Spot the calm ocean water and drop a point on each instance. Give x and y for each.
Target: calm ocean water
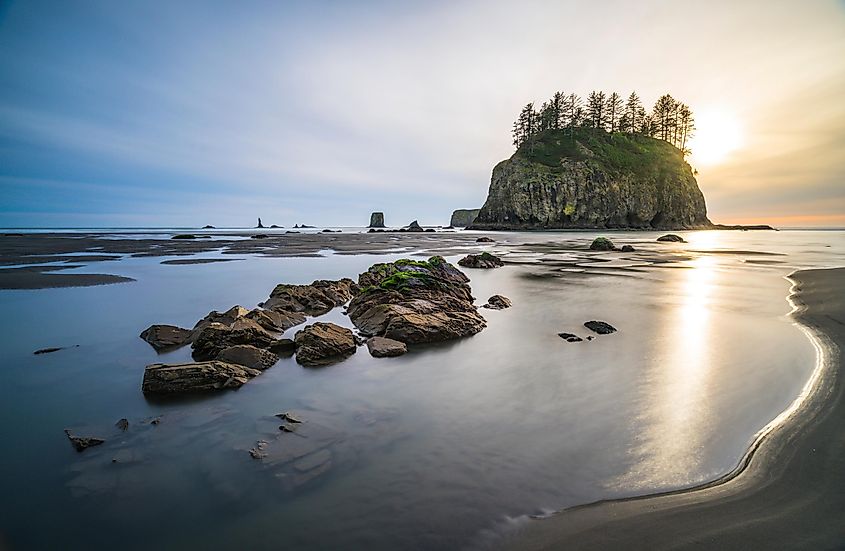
(438, 449)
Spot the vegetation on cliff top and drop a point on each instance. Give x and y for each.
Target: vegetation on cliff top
(617, 153)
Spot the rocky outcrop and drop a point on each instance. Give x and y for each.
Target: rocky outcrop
(485, 239)
(415, 301)
(271, 320)
(376, 220)
(593, 180)
(248, 356)
(414, 226)
(195, 377)
(382, 347)
(570, 337)
(498, 302)
(323, 343)
(313, 300)
(462, 218)
(483, 260)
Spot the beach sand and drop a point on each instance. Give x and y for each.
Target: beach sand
(788, 493)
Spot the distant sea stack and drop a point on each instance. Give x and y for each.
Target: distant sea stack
(376, 220)
(589, 178)
(462, 218)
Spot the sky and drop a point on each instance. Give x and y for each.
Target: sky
(181, 114)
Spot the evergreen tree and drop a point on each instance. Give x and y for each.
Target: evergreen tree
(633, 110)
(614, 111)
(686, 123)
(596, 113)
(556, 104)
(526, 126)
(662, 117)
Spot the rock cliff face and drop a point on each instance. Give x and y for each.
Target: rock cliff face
(593, 179)
(462, 218)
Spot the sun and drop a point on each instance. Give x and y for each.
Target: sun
(718, 133)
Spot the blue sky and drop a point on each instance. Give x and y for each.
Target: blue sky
(187, 113)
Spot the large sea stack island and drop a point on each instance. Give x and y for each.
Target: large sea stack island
(610, 167)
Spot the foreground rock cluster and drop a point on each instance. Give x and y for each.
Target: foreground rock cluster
(415, 302)
(391, 305)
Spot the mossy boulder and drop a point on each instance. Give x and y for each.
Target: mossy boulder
(415, 301)
(602, 244)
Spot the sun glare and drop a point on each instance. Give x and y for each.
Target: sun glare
(718, 133)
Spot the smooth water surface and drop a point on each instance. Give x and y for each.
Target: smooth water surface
(438, 449)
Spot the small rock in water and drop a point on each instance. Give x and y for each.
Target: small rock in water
(259, 451)
(289, 417)
(156, 421)
(286, 428)
(123, 424)
(671, 238)
(483, 260)
(600, 327)
(382, 347)
(81, 443)
(484, 239)
(569, 337)
(628, 248)
(602, 244)
(498, 302)
(590, 337)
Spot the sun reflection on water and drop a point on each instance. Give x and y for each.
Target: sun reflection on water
(669, 453)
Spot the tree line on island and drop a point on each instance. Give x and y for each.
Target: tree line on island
(669, 120)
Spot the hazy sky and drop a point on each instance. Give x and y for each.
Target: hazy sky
(137, 113)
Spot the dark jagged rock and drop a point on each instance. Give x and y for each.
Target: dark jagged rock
(249, 356)
(195, 377)
(208, 227)
(382, 347)
(627, 249)
(323, 343)
(462, 218)
(163, 337)
(569, 337)
(376, 220)
(600, 327)
(82, 443)
(415, 301)
(671, 238)
(485, 239)
(122, 424)
(483, 260)
(214, 338)
(289, 417)
(260, 225)
(314, 300)
(593, 179)
(415, 226)
(498, 302)
(602, 244)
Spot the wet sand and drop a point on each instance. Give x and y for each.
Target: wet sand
(29, 261)
(787, 493)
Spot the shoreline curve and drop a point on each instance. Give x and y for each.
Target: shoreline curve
(710, 514)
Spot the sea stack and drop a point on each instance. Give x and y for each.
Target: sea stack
(260, 225)
(376, 220)
(593, 179)
(462, 218)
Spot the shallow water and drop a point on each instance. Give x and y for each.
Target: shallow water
(441, 448)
